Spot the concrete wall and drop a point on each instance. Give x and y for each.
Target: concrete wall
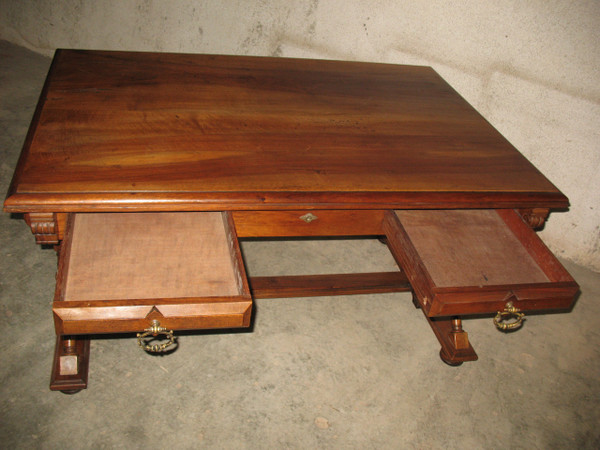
(531, 67)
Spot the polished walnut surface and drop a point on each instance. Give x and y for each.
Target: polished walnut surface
(146, 131)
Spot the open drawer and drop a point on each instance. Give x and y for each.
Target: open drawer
(118, 272)
(463, 262)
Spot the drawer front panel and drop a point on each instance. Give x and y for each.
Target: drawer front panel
(122, 319)
(308, 223)
(475, 300)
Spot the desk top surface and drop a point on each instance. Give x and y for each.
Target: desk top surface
(149, 131)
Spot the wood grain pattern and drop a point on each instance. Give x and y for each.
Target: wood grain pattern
(120, 131)
(334, 284)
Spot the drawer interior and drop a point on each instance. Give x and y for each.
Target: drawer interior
(475, 261)
(469, 248)
(119, 270)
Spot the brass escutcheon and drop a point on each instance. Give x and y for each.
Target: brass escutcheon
(509, 311)
(154, 331)
(308, 217)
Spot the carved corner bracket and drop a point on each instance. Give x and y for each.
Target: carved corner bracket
(44, 227)
(535, 217)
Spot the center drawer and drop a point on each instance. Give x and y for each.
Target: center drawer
(119, 272)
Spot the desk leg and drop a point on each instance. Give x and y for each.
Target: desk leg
(70, 365)
(456, 347)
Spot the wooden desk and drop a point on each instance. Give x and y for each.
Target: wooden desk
(281, 147)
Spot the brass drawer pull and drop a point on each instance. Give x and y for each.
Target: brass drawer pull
(509, 311)
(154, 331)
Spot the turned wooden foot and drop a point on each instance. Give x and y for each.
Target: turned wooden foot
(70, 365)
(448, 360)
(456, 347)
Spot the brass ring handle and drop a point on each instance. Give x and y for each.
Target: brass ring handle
(509, 311)
(155, 330)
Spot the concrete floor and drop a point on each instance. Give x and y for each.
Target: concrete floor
(341, 372)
